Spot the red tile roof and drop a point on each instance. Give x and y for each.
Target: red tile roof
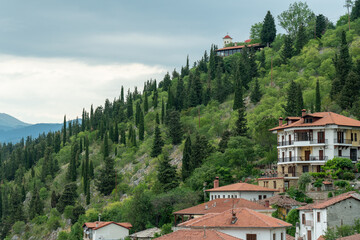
(323, 119)
(321, 238)
(331, 201)
(282, 201)
(93, 226)
(241, 187)
(227, 36)
(242, 46)
(289, 237)
(220, 205)
(249, 40)
(246, 218)
(197, 234)
(352, 237)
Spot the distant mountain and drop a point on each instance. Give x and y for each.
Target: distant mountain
(12, 129)
(8, 122)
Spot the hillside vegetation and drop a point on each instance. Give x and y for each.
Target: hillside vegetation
(146, 154)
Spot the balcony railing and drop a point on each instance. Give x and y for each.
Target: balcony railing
(285, 143)
(309, 223)
(342, 141)
(302, 158)
(312, 141)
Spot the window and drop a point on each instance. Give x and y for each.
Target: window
(303, 218)
(289, 139)
(318, 216)
(260, 197)
(339, 153)
(218, 196)
(274, 236)
(290, 156)
(264, 196)
(223, 196)
(352, 137)
(355, 134)
(274, 184)
(282, 236)
(305, 169)
(308, 120)
(321, 137)
(212, 197)
(251, 237)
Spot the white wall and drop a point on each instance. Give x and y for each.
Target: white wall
(111, 232)
(317, 228)
(246, 195)
(261, 234)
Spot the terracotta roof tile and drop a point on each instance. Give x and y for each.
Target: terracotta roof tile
(241, 187)
(197, 234)
(352, 237)
(321, 238)
(245, 218)
(282, 201)
(331, 201)
(148, 233)
(227, 36)
(324, 118)
(92, 225)
(220, 205)
(289, 237)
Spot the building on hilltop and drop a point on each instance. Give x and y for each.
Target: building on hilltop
(219, 206)
(247, 191)
(316, 218)
(236, 47)
(106, 230)
(227, 40)
(242, 223)
(305, 144)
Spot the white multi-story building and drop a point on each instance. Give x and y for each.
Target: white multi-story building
(106, 230)
(316, 218)
(305, 144)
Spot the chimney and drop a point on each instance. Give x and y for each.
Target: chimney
(216, 182)
(234, 218)
(280, 121)
(267, 203)
(236, 44)
(97, 224)
(303, 112)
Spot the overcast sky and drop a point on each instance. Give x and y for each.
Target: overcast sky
(58, 56)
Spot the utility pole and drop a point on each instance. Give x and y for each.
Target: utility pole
(348, 5)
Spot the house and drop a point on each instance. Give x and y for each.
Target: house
(197, 234)
(242, 223)
(147, 234)
(105, 230)
(305, 144)
(316, 218)
(240, 190)
(227, 40)
(218, 206)
(227, 51)
(284, 204)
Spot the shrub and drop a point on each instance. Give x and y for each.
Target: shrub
(330, 195)
(19, 227)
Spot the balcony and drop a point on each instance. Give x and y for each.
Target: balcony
(342, 141)
(309, 223)
(303, 142)
(301, 158)
(285, 143)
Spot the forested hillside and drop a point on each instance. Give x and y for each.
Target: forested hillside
(151, 152)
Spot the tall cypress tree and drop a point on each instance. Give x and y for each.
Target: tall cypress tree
(256, 93)
(175, 127)
(64, 131)
(200, 150)
(155, 96)
(299, 100)
(196, 90)
(158, 143)
(238, 99)
(355, 12)
(186, 160)
(317, 97)
(167, 174)
(179, 99)
(106, 146)
(137, 114)
(122, 99)
(320, 25)
(162, 111)
(342, 64)
(350, 91)
(105, 183)
(141, 127)
(146, 103)
(86, 177)
(301, 39)
(129, 104)
(36, 204)
(268, 31)
(288, 51)
(123, 137)
(116, 134)
(241, 123)
(166, 82)
(291, 105)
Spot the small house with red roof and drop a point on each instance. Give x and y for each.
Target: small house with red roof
(242, 223)
(247, 191)
(305, 143)
(106, 230)
(316, 218)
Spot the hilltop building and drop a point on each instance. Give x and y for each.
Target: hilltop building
(106, 230)
(227, 40)
(247, 191)
(316, 218)
(237, 48)
(305, 144)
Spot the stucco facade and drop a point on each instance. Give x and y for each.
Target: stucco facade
(251, 196)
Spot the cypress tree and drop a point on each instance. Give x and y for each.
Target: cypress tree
(122, 99)
(212, 62)
(106, 180)
(219, 93)
(137, 114)
(123, 137)
(106, 146)
(54, 199)
(116, 134)
(224, 141)
(288, 51)
(146, 104)
(317, 97)
(167, 174)
(91, 170)
(256, 93)
(36, 204)
(179, 99)
(238, 100)
(133, 138)
(86, 169)
(301, 39)
(155, 96)
(200, 150)
(57, 142)
(71, 174)
(196, 90)
(158, 143)
(342, 64)
(355, 12)
(141, 127)
(157, 121)
(241, 123)
(299, 100)
(166, 82)
(64, 131)
(175, 127)
(207, 94)
(320, 25)
(162, 111)
(268, 31)
(67, 197)
(291, 106)
(186, 160)
(350, 91)
(129, 104)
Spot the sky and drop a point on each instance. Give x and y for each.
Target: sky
(60, 56)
